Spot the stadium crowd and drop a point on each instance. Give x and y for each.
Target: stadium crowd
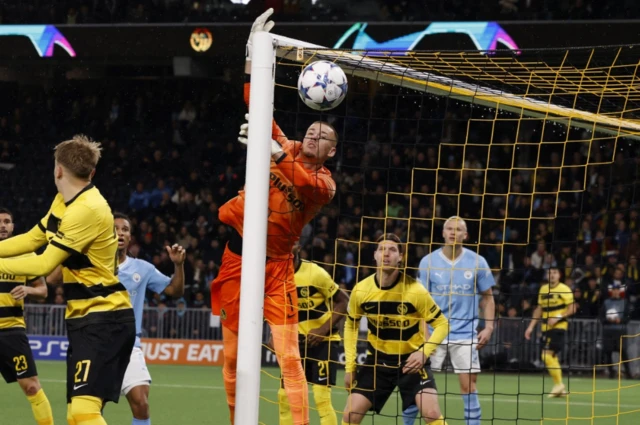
(153, 11)
(169, 163)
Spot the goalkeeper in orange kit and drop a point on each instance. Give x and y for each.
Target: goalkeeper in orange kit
(300, 186)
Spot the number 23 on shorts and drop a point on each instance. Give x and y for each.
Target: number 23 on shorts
(21, 363)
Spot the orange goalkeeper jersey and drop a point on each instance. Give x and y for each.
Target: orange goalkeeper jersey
(295, 197)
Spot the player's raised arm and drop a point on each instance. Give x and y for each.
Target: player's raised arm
(260, 24)
(177, 254)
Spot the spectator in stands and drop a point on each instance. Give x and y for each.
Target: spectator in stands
(591, 297)
(615, 315)
(139, 200)
(632, 271)
(538, 257)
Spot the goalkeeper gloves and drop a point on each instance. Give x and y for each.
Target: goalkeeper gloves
(243, 137)
(260, 24)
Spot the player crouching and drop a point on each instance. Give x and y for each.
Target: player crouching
(395, 305)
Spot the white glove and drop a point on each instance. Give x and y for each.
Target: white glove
(260, 24)
(243, 137)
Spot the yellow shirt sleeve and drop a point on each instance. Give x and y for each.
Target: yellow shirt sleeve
(325, 284)
(24, 243)
(567, 297)
(434, 317)
(77, 229)
(39, 265)
(351, 328)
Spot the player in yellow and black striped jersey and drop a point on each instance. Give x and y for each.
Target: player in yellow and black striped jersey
(555, 305)
(80, 235)
(322, 306)
(396, 307)
(16, 359)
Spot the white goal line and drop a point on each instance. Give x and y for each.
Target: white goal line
(403, 76)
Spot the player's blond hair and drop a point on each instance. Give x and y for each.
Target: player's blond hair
(455, 218)
(80, 155)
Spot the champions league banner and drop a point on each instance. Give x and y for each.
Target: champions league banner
(138, 43)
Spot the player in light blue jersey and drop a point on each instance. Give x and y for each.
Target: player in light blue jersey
(138, 276)
(460, 282)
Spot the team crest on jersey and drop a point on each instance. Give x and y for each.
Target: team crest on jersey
(136, 277)
(304, 292)
(402, 309)
(223, 314)
(468, 274)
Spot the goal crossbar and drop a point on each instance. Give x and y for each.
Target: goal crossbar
(392, 73)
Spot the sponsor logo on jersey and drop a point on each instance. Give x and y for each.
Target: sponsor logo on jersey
(288, 192)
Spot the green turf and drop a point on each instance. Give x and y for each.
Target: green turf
(192, 395)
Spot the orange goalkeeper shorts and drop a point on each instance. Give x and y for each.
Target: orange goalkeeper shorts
(280, 295)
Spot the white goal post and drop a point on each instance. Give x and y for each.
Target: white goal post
(254, 247)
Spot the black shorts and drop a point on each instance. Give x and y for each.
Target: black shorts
(320, 363)
(553, 340)
(97, 359)
(377, 383)
(16, 358)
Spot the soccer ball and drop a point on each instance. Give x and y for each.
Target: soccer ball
(322, 85)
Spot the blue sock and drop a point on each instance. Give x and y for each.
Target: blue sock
(141, 421)
(409, 415)
(472, 411)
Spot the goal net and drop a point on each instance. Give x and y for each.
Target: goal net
(537, 151)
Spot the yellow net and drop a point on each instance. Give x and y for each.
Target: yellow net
(536, 151)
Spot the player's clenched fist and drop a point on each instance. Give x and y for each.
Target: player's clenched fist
(177, 254)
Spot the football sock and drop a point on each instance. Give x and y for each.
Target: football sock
(87, 410)
(409, 415)
(230, 344)
(141, 421)
(472, 411)
(41, 408)
(439, 421)
(322, 397)
(70, 419)
(553, 366)
(285, 341)
(283, 408)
